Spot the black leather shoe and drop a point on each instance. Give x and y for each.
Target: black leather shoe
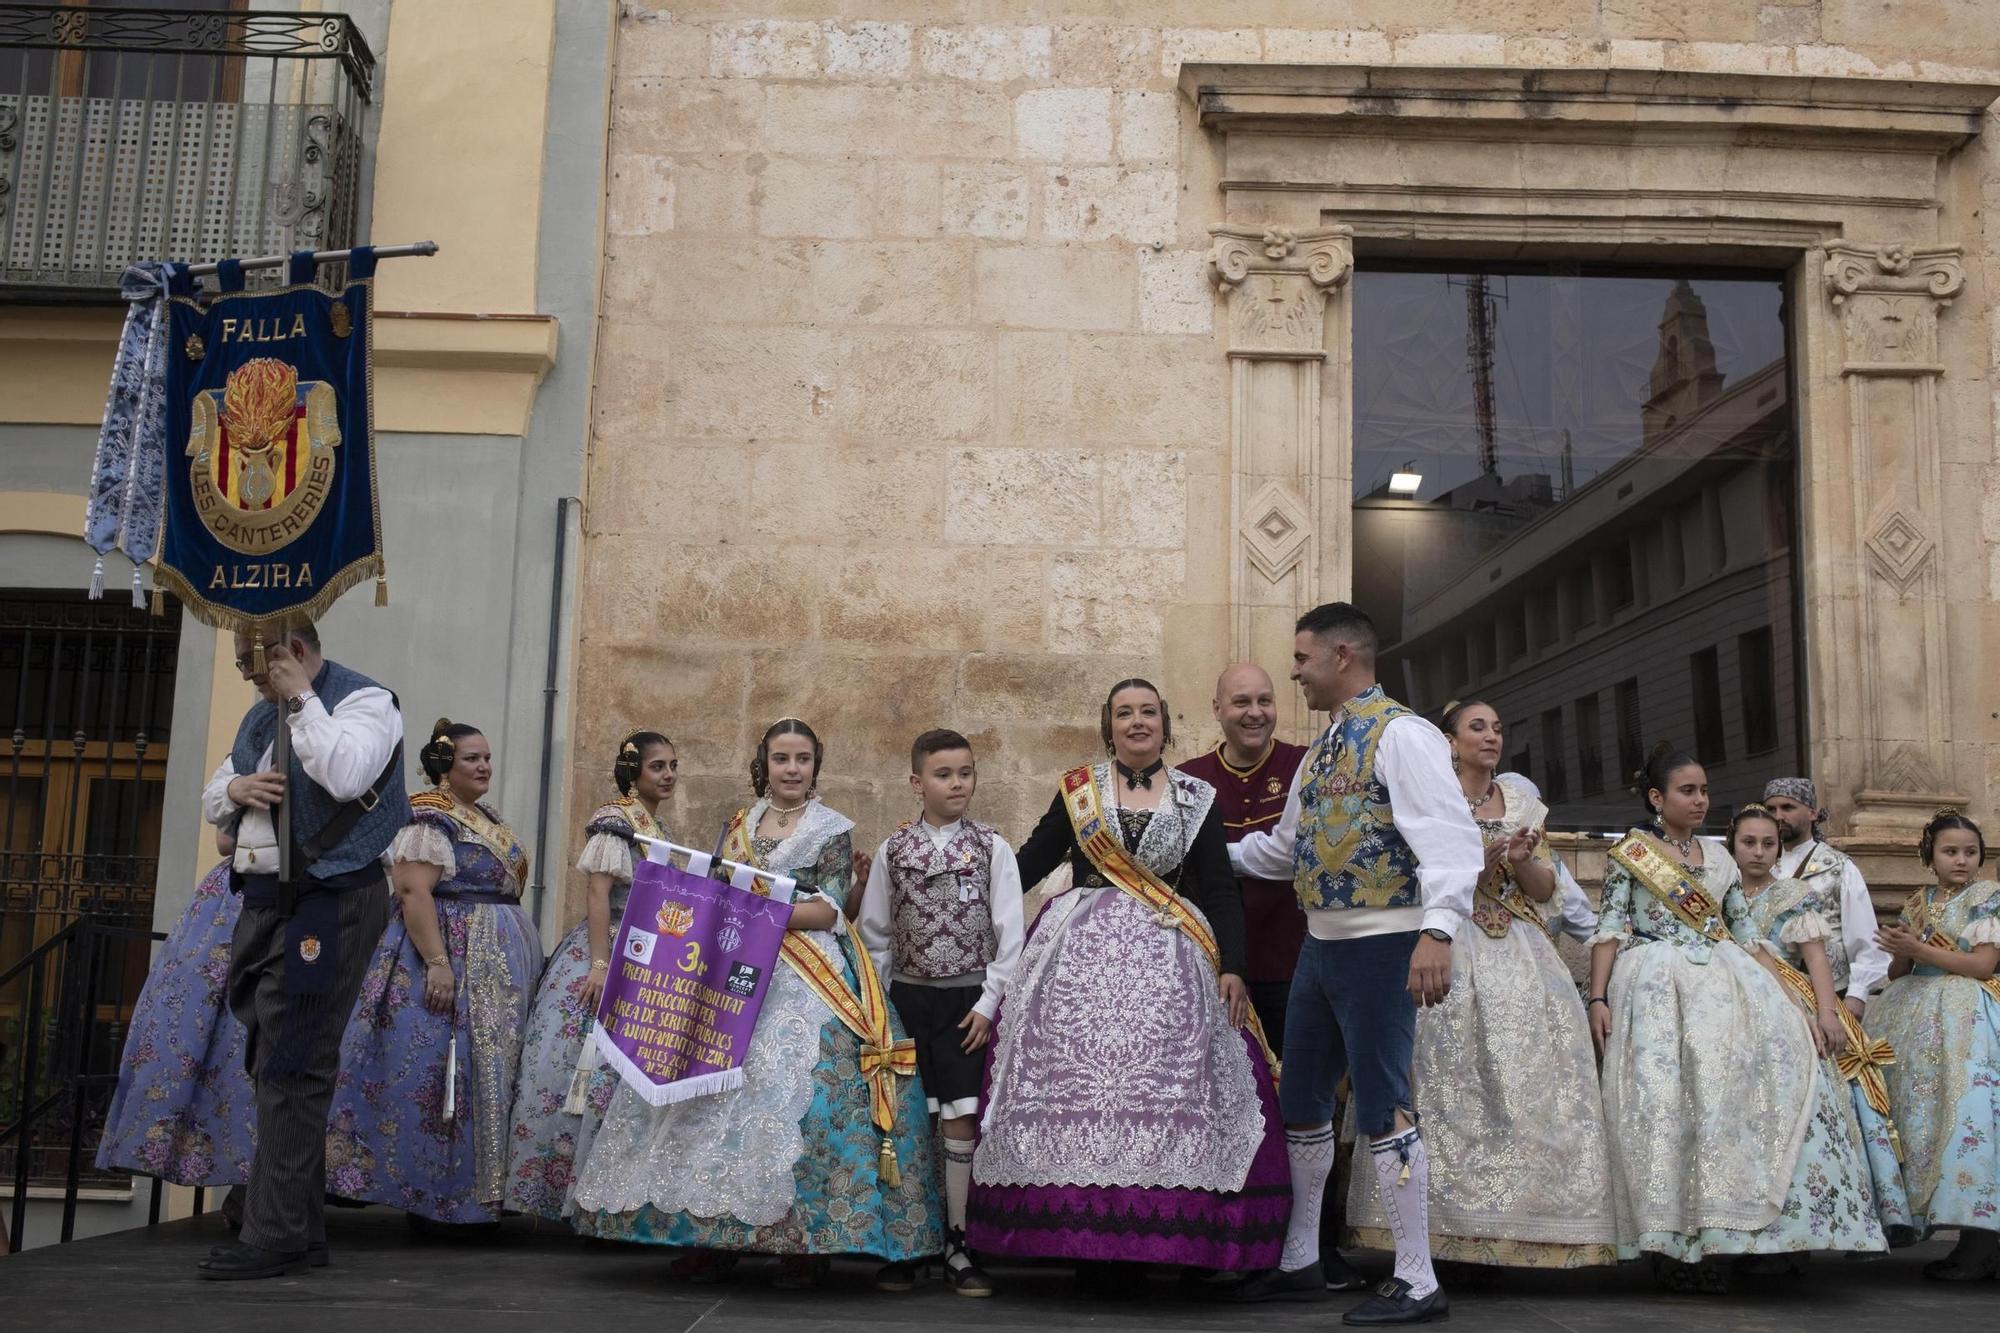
(1393, 1304)
(316, 1253)
(1340, 1276)
(1275, 1284)
(241, 1263)
(899, 1276)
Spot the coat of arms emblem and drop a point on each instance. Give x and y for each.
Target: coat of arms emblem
(263, 454)
(675, 919)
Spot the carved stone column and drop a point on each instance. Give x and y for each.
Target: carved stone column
(1279, 283)
(1888, 713)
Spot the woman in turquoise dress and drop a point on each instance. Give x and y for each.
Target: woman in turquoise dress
(791, 1163)
(1941, 1013)
(428, 1062)
(1789, 917)
(1725, 1139)
(564, 1086)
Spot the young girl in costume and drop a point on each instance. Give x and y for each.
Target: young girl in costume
(797, 1162)
(1792, 920)
(1941, 1013)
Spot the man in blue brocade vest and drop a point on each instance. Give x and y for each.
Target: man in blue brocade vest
(302, 945)
(1383, 854)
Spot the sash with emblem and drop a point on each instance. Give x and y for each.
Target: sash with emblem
(1663, 876)
(1129, 875)
(862, 1010)
(270, 494)
(1861, 1061)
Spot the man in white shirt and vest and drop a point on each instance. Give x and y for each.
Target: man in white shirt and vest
(303, 941)
(1860, 965)
(1383, 853)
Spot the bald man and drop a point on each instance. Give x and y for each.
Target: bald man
(1251, 771)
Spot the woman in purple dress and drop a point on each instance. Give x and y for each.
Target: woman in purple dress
(184, 1110)
(1131, 1115)
(428, 1064)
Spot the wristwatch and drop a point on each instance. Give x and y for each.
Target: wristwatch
(297, 703)
(1437, 934)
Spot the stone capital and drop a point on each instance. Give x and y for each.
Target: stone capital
(1278, 280)
(1889, 297)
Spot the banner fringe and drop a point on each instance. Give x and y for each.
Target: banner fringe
(97, 581)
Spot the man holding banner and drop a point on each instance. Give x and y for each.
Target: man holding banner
(245, 418)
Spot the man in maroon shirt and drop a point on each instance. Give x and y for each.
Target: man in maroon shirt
(1251, 771)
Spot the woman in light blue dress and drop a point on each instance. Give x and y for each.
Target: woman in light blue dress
(1725, 1138)
(789, 1164)
(1790, 918)
(1941, 1012)
(429, 1059)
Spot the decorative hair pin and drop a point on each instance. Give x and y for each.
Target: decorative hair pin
(628, 748)
(1948, 812)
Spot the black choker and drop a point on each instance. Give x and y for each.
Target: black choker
(1135, 779)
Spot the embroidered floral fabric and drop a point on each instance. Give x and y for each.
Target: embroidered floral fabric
(184, 1109)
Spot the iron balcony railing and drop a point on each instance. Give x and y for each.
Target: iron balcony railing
(189, 132)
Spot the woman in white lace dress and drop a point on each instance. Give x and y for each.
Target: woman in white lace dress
(1506, 1081)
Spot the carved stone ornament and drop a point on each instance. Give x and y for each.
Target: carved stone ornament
(1278, 280)
(1890, 296)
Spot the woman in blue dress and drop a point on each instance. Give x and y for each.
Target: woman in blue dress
(791, 1163)
(1791, 920)
(1941, 1013)
(428, 1063)
(563, 1092)
(184, 1110)
(1725, 1138)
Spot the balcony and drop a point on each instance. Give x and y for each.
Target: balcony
(190, 133)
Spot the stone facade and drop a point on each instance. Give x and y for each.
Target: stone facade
(960, 359)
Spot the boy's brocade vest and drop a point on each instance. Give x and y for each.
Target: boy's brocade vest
(1348, 852)
(941, 900)
(375, 830)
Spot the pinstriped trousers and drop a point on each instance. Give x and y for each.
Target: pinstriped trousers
(284, 1206)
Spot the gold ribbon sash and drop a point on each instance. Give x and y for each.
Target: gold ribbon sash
(1660, 874)
(1918, 910)
(1862, 1060)
(494, 835)
(884, 1058)
(1125, 872)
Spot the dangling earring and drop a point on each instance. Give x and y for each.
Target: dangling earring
(1456, 763)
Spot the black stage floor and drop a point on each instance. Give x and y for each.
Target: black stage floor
(538, 1281)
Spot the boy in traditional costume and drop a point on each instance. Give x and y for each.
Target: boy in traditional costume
(941, 916)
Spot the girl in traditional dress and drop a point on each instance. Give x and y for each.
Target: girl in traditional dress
(1789, 917)
(564, 1087)
(1506, 1080)
(793, 1163)
(428, 1064)
(1131, 1117)
(1941, 1013)
(1725, 1139)
(184, 1110)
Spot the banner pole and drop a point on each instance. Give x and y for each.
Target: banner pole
(420, 249)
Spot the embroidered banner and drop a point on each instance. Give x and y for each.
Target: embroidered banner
(691, 963)
(271, 509)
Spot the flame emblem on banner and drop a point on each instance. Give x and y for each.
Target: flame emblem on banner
(262, 450)
(674, 918)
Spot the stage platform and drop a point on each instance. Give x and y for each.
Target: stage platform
(530, 1280)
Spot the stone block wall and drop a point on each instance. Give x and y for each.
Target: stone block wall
(911, 407)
